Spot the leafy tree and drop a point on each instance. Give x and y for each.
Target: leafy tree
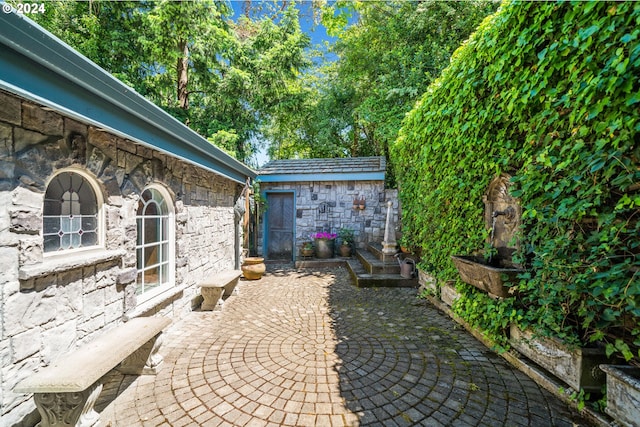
(106, 32)
(222, 79)
(386, 59)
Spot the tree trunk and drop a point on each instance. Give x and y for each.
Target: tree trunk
(183, 75)
(356, 141)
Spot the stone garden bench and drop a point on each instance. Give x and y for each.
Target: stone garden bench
(66, 391)
(219, 286)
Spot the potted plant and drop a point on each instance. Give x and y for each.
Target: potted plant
(346, 238)
(324, 244)
(307, 249)
(404, 245)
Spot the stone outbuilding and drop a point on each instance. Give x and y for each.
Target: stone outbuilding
(110, 209)
(304, 196)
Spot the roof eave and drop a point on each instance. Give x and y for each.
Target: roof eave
(38, 66)
(306, 177)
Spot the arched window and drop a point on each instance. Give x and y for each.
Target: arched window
(155, 243)
(70, 214)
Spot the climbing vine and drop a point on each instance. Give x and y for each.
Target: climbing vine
(548, 93)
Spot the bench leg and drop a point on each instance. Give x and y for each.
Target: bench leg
(146, 360)
(68, 409)
(212, 298)
(231, 289)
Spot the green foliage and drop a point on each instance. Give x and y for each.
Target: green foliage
(385, 59)
(547, 92)
(492, 316)
(225, 80)
(346, 236)
(580, 398)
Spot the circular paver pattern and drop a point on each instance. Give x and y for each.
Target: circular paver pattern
(307, 348)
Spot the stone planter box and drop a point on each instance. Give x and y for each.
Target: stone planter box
(427, 282)
(474, 271)
(449, 294)
(623, 394)
(579, 367)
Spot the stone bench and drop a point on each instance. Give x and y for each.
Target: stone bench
(220, 286)
(66, 391)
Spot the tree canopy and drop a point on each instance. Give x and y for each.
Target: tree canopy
(222, 78)
(387, 55)
(243, 81)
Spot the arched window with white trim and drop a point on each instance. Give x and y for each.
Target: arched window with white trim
(155, 243)
(71, 213)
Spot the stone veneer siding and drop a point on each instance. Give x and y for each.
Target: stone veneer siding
(47, 308)
(368, 224)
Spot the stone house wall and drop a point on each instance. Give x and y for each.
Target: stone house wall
(48, 307)
(368, 224)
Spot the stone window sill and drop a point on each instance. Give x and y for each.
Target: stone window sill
(67, 262)
(153, 305)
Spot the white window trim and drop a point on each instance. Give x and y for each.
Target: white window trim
(156, 293)
(92, 181)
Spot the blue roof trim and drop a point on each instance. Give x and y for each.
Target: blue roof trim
(301, 177)
(38, 66)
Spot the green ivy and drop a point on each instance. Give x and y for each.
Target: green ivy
(490, 315)
(548, 93)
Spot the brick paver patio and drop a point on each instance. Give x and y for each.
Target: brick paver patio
(307, 348)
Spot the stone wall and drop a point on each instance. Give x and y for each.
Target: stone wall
(338, 196)
(50, 306)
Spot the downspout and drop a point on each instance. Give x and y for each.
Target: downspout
(241, 212)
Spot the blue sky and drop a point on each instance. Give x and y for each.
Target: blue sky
(317, 33)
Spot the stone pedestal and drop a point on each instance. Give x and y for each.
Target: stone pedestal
(68, 409)
(389, 244)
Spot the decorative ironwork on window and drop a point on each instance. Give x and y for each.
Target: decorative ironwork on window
(70, 213)
(153, 242)
(323, 211)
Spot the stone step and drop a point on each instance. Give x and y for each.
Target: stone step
(363, 279)
(376, 250)
(373, 265)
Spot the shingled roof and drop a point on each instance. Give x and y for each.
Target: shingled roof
(340, 169)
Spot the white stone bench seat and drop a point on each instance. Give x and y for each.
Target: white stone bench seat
(75, 377)
(218, 286)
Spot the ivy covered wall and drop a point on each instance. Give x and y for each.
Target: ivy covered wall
(548, 93)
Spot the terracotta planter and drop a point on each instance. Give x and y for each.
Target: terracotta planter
(623, 393)
(578, 367)
(324, 248)
(345, 250)
(306, 252)
(253, 268)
